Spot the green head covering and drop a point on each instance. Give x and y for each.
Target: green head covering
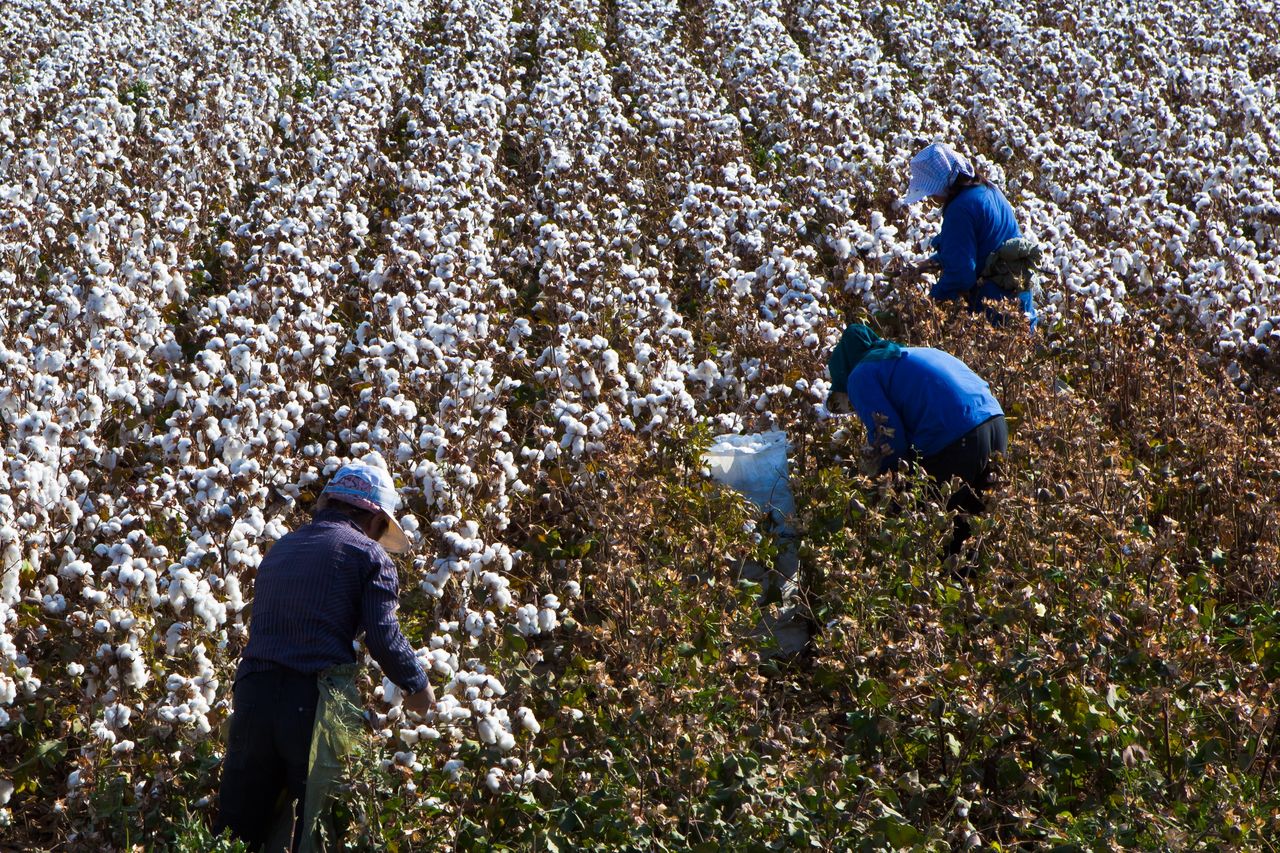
(857, 344)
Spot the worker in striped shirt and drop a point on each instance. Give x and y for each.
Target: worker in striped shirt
(317, 590)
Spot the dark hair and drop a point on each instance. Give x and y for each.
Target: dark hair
(363, 517)
(963, 183)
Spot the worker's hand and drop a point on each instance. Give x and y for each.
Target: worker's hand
(422, 701)
(916, 271)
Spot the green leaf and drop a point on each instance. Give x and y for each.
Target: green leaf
(898, 832)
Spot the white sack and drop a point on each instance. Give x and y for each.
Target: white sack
(756, 466)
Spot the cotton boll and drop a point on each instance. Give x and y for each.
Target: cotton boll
(527, 620)
(487, 729)
(527, 720)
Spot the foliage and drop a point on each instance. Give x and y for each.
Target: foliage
(536, 254)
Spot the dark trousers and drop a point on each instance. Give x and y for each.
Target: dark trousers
(969, 458)
(267, 752)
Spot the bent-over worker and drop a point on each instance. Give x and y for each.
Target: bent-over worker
(934, 409)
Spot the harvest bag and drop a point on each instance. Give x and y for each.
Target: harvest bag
(756, 466)
(1013, 265)
(338, 723)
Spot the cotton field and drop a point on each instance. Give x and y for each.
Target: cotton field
(242, 241)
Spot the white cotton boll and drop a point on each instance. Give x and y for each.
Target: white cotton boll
(487, 728)
(391, 694)
(528, 720)
(6, 791)
(453, 767)
(75, 670)
(133, 670)
(442, 662)
(493, 779)
(527, 620)
(117, 716)
(573, 589)
(506, 740)
(173, 637)
(10, 568)
(124, 746)
(547, 620)
(102, 732)
(74, 570)
(409, 524)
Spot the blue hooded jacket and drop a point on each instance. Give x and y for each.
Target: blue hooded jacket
(974, 224)
(930, 399)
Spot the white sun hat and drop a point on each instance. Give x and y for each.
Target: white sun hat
(368, 485)
(934, 170)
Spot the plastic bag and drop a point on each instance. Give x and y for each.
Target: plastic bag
(756, 466)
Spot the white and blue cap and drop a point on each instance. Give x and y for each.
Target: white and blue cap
(368, 485)
(934, 170)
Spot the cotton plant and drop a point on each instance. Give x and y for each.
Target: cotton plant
(240, 244)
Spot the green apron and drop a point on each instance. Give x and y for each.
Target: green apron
(339, 722)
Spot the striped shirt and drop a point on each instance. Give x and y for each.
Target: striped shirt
(317, 589)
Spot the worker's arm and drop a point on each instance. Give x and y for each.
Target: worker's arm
(869, 399)
(382, 635)
(957, 251)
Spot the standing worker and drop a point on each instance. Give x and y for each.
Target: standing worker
(980, 254)
(318, 588)
(928, 405)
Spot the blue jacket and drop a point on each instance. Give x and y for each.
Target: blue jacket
(317, 589)
(930, 399)
(974, 225)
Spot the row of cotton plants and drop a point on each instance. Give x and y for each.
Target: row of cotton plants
(728, 238)
(128, 147)
(240, 242)
(1122, 151)
(218, 212)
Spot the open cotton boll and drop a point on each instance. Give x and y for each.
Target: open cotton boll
(528, 720)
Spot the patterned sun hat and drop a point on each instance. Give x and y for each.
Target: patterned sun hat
(369, 486)
(934, 170)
